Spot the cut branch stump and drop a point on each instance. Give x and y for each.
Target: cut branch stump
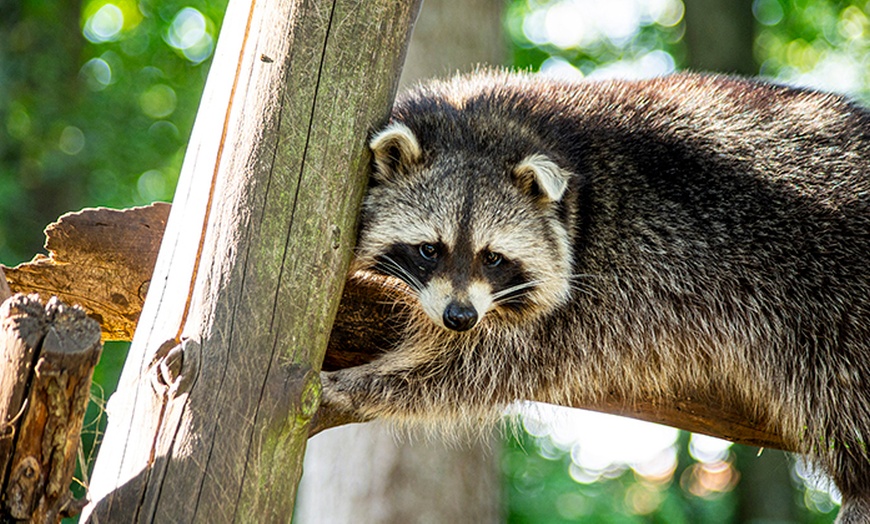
(49, 355)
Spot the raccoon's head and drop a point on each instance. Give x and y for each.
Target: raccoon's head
(473, 235)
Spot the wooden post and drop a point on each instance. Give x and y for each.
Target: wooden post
(47, 357)
(210, 419)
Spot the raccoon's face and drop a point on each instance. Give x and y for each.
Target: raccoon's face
(472, 236)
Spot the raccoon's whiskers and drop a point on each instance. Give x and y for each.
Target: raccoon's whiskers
(514, 291)
(392, 268)
(584, 276)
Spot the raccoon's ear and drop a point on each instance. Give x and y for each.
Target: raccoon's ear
(396, 149)
(539, 176)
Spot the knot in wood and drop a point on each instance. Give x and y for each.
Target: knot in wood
(336, 237)
(23, 483)
(175, 367)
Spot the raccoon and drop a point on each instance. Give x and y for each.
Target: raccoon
(561, 241)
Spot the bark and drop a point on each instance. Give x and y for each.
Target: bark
(210, 419)
(48, 358)
(5, 291)
(100, 259)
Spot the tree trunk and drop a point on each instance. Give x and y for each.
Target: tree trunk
(720, 36)
(456, 36)
(210, 419)
(361, 473)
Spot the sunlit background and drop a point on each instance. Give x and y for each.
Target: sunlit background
(819, 44)
(115, 135)
(637, 468)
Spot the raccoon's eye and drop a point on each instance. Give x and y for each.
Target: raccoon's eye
(428, 251)
(492, 259)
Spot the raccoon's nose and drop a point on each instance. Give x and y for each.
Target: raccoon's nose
(459, 317)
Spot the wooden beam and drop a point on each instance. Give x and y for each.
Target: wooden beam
(210, 419)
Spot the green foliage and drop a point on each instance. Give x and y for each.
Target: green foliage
(105, 381)
(822, 44)
(594, 35)
(825, 43)
(96, 105)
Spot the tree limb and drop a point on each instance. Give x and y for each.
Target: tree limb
(79, 267)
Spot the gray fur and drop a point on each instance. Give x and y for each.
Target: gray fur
(716, 235)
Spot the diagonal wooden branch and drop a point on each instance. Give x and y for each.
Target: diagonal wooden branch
(83, 267)
(100, 259)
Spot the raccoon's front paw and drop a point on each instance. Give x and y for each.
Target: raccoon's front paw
(336, 406)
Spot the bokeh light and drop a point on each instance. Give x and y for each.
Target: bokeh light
(96, 73)
(105, 25)
(152, 186)
(820, 493)
(158, 101)
(189, 34)
(72, 140)
(602, 445)
(105, 21)
(622, 38)
(708, 449)
(824, 45)
(709, 479)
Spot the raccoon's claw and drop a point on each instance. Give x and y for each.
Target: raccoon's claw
(329, 417)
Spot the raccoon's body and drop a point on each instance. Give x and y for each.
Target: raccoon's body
(689, 235)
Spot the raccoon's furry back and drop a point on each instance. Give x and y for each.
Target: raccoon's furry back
(719, 234)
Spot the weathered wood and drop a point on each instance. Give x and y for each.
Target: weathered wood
(210, 419)
(49, 355)
(100, 259)
(23, 327)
